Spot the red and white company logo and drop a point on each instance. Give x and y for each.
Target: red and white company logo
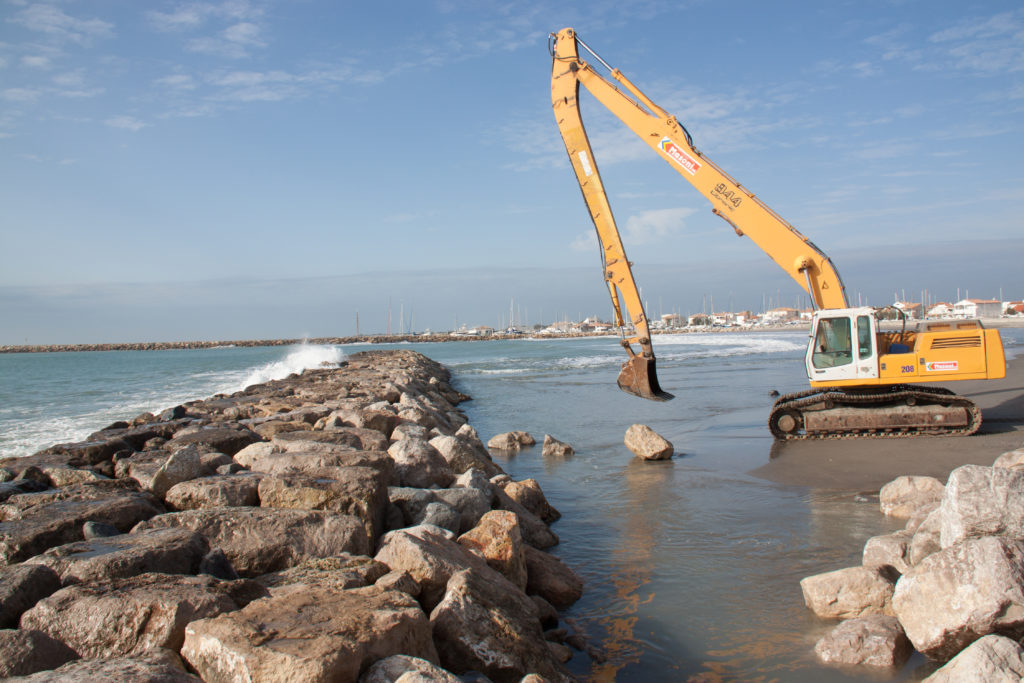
(679, 156)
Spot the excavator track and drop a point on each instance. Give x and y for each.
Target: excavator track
(897, 411)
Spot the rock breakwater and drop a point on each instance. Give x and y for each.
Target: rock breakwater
(950, 585)
(345, 524)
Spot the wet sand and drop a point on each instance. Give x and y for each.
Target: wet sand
(868, 464)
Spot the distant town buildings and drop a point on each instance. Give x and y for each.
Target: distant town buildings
(965, 308)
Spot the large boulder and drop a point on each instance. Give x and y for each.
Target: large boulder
(431, 557)
(904, 496)
(134, 615)
(340, 572)
(316, 635)
(361, 492)
(229, 490)
(982, 501)
(419, 465)
(156, 666)
(33, 522)
(497, 539)
(992, 659)
(219, 437)
(957, 595)
(849, 593)
(311, 462)
(534, 530)
(481, 626)
(552, 579)
(529, 494)
(262, 540)
(168, 551)
(889, 550)
(357, 438)
(927, 538)
(1011, 459)
(22, 586)
(24, 651)
(408, 670)
(875, 641)
(470, 505)
(644, 442)
(462, 452)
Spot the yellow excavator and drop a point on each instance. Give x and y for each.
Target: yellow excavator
(865, 381)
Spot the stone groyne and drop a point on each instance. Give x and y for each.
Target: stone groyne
(346, 524)
(950, 585)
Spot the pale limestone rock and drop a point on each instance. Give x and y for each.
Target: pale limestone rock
(555, 448)
(131, 616)
(315, 636)
(644, 442)
(529, 494)
(262, 540)
(234, 490)
(982, 501)
(157, 666)
(927, 538)
(498, 540)
(849, 593)
(22, 586)
(892, 550)
(551, 579)
(903, 496)
(407, 670)
(481, 626)
(957, 595)
(26, 651)
(431, 559)
(875, 641)
(1010, 459)
(168, 551)
(992, 659)
(419, 465)
(462, 453)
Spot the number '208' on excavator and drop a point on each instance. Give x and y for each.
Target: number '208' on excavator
(865, 381)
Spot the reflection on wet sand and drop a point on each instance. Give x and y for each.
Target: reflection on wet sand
(646, 486)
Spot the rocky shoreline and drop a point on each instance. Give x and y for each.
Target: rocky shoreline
(346, 524)
(950, 585)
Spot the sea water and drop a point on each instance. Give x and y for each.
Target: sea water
(691, 566)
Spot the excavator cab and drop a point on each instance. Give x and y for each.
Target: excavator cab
(843, 345)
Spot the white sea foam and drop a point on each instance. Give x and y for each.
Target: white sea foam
(299, 359)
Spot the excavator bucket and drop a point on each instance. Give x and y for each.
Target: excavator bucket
(638, 377)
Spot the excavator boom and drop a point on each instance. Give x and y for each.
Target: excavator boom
(863, 377)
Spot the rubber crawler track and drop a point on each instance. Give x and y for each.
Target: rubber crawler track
(874, 400)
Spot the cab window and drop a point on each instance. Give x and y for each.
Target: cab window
(864, 341)
(833, 343)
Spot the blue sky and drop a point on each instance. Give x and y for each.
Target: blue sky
(184, 170)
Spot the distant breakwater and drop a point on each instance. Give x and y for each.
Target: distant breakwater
(363, 339)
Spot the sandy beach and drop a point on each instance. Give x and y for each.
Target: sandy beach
(868, 464)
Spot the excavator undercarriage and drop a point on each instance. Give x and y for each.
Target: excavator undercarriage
(893, 411)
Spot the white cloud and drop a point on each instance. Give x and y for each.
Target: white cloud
(126, 122)
(20, 94)
(656, 224)
(585, 241)
(55, 23)
(177, 82)
(36, 61)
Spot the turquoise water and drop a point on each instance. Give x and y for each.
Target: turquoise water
(691, 565)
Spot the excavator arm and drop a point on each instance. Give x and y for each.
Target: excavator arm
(793, 252)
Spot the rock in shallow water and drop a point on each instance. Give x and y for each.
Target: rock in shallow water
(644, 442)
